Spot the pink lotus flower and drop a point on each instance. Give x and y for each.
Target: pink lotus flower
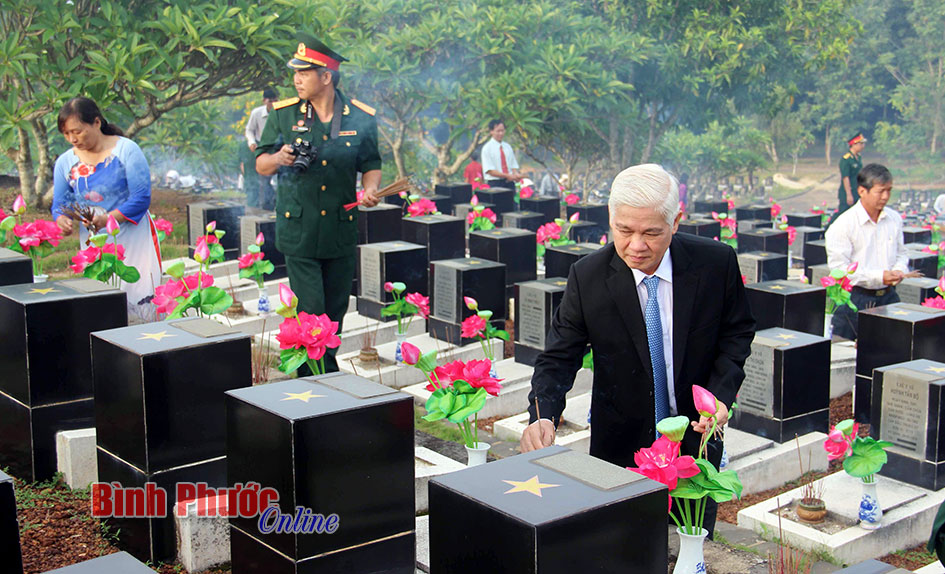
(575, 217)
(315, 333)
(603, 239)
(111, 248)
(744, 279)
(473, 326)
(571, 199)
(851, 268)
(846, 284)
(840, 444)
(410, 353)
(287, 297)
(775, 209)
(706, 403)
(260, 239)
(36, 232)
(202, 252)
(249, 259)
(471, 303)
(211, 227)
(804, 279)
(474, 201)
(389, 287)
(791, 234)
(164, 225)
(486, 213)
(165, 296)
(526, 192)
(662, 463)
(934, 303)
(548, 232)
(83, 258)
(941, 285)
(420, 302)
(422, 206)
(206, 280)
(444, 375)
(476, 373)
(828, 281)
(111, 225)
(19, 206)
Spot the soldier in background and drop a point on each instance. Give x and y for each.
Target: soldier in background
(259, 191)
(850, 165)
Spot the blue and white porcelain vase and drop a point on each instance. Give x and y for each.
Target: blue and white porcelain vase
(398, 355)
(691, 559)
(871, 513)
(262, 305)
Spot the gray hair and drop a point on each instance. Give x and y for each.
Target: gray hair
(646, 186)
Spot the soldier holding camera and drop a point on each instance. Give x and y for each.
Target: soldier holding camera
(318, 142)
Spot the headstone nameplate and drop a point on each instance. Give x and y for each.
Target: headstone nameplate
(748, 266)
(481, 279)
(533, 316)
(445, 293)
(905, 410)
(756, 393)
(389, 261)
(916, 290)
(370, 279)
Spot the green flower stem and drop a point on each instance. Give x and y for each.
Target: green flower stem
(199, 290)
(869, 479)
(676, 520)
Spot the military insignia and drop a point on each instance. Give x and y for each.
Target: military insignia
(285, 103)
(363, 107)
(348, 133)
(304, 107)
(301, 49)
(847, 156)
(347, 110)
(300, 128)
(301, 122)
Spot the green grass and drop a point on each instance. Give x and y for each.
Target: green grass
(914, 555)
(446, 431)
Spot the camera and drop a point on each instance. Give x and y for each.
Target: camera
(305, 153)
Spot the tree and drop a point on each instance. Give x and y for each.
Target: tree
(138, 59)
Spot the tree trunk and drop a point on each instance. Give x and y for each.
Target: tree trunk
(651, 138)
(24, 166)
(827, 144)
(42, 189)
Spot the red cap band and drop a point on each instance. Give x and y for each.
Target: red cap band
(315, 57)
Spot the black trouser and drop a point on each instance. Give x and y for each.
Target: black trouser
(845, 322)
(842, 205)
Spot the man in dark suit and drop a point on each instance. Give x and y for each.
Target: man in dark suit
(650, 297)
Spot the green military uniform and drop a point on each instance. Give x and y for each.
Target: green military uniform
(850, 166)
(313, 229)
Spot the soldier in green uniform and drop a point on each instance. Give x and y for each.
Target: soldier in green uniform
(850, 165)
(318, 142)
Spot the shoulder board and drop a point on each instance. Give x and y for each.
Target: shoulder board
(285, 103)
(847, 156)
(363, 107)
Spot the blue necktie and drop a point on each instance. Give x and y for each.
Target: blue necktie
(654, 335)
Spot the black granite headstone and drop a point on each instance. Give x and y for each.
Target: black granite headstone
(15, 268)
(10, 555)
(226, 213)
(760, 266)
(462, 211)
(457, 192)
(335, 445)
(894, 334)
(535, 305)
(118, 563)
(550, 511)
(763, 239)
(743, 225)
(926, 263)
(548, 207)
(444, 203)
(159, 411)
(916, 290)
(803, 236)
(395, 200)
(595, 213)
(530, 220)
(804, 220)
(453, 279)
(753, 212)
(444, 236)
(710, 205)
(253, 225)
(389, 261)
(503, 199)
(916, 235)
(786, 390)
(46, 366)
(379, 223)
(559, 259)
(701, 227)
(908, 410)
(516, 248)
(585, 232)
(788, 304)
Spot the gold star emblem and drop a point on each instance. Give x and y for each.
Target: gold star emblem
(777, 287)
(936, 369)
(764, 254)
(473, 262)
(561, 283)
(900, 313)
(531, 485)
(44, 291)
(155, 336)
(304, 397)
(575, 248)
(785, 336)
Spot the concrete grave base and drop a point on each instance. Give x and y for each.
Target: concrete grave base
(76, 458)
(762, 463)
(908, 512)
(202, 541)
(427, 464)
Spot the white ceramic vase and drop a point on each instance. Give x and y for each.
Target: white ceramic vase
(691, 559)
(871, 512)
(477, 455)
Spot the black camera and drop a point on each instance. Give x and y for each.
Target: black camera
(305, 153)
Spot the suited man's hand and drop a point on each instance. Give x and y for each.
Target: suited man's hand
(704, 423)
(539, 434)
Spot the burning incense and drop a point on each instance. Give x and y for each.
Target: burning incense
(399, 186)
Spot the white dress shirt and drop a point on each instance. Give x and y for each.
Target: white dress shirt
(492, 159)
(664, 295)
(876, 246)
(255, 125)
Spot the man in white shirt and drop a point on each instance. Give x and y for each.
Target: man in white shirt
(499, 166)
(259, 191)
(869, 234)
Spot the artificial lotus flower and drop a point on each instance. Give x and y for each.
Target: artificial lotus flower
(33, 233)
(191, 281)
(673, 428)
(473, 326)
(420, 302)
(422, 206)
(165, 296)
(705, 401)
(389, 287)
(526, 192)
(548, 232)
(111, 226)
(828, 281)
(410, 352)
(840, 439)
(19, 206)
(260, 239)
(575, 217)
(287, 297)
(315, 333)
(471, 303)
(202, 252)
(211, 227)
(661, 463)
(485, 213)
(603, 239)
(476, 372)
(249, 259)
(164, 225)
(84, 258)
(805, 279)
(851, 268)
(571, 199)
(474, 201)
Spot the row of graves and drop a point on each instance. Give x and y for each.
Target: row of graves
(192, 461)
